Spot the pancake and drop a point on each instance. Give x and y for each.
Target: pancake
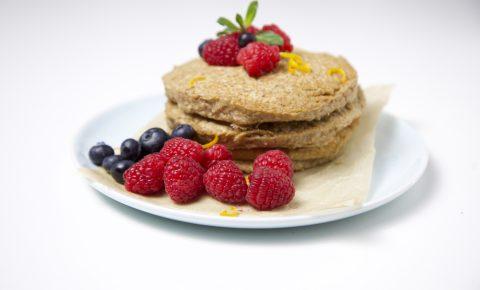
(302, 158)
(282, 134)
(228, 94)
(327, 151)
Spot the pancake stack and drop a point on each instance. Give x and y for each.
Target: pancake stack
(310, 116)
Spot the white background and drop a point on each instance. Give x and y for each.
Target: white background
(63, 62)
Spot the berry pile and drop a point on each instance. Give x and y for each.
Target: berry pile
(186, 171)
(257, 50)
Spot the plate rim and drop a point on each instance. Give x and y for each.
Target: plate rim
(245, 222)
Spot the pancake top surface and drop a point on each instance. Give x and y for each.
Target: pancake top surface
(229, 94)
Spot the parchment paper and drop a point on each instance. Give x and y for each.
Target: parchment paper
(340, 185)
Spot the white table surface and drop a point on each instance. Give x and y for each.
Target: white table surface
(63, 62)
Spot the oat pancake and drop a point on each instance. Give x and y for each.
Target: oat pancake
(228, 94)
(302, 158)
(282, 134)
(328, 151)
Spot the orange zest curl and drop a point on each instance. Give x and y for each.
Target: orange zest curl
(295, 63)
(338, 71)
(211, 143)
(247, 180)
(194, 80)
(230, 212)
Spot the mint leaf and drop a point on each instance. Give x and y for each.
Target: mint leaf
(269, 38)
(227, 23)
(223, 32)
(240, 22)
(251, 12)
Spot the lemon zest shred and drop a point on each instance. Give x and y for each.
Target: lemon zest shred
(339, 71)
(194, 80)
(230, 212)
(211, 143)
(292, 66)
(247, 180)
(291, 55)
(295, 63)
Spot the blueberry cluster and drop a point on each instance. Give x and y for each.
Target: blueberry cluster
(131, 150)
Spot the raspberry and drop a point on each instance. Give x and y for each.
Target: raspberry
(269, 188)
(225, 182)
(252, 29)
(183, 147)
(215, 153)
(183, 179)
(222, 51)
(146, 176)
(275, 159)
(287, 45)
(258, 58)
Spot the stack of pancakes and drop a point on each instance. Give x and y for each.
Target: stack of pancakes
(310, 116)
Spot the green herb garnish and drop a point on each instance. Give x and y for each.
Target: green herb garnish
(269, 38)
(243, 23)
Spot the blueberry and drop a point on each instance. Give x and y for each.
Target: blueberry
(110, 160)
(130, 149)
(184, 131)
(152, 140)
(201, 46)
(118, 168)
(246, 38)
(98, 152)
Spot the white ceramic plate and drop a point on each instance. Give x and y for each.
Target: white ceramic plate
(400, 161)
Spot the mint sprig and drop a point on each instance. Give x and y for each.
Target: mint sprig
(243, 24)
(269, 38)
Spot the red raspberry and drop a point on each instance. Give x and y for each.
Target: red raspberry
(215, 153)
(146, 176)
(183, 147)
(287, 45)
(258, 58)
(183, 179)
(252, 29)
(269, 188)
(225, 182)
(275, 159)
(222, 51)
